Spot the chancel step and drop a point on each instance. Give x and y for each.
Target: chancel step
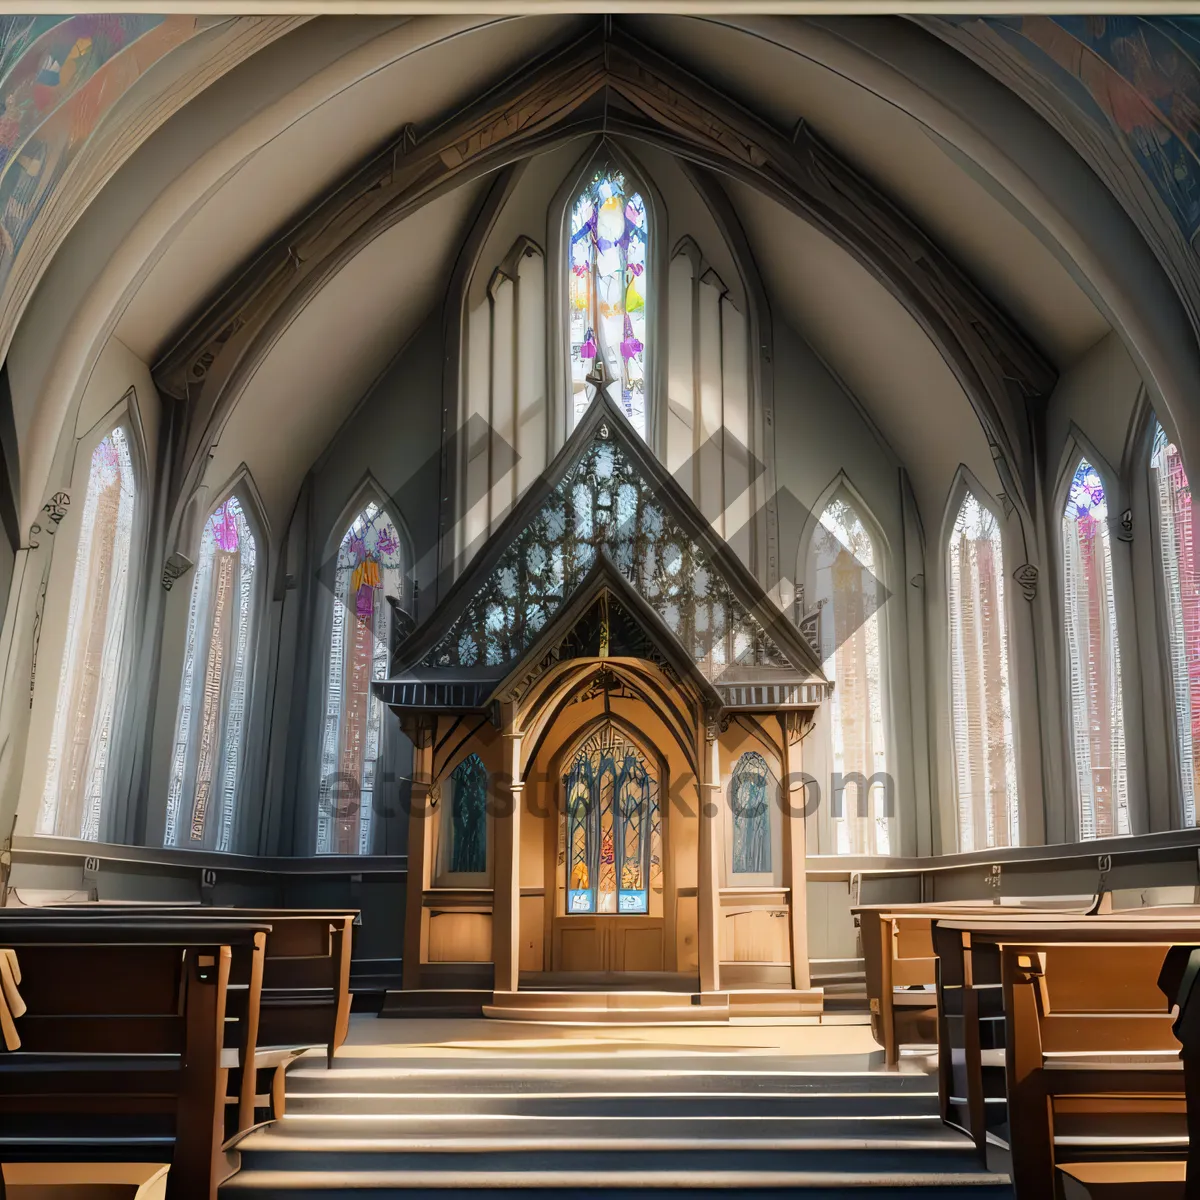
(608, 1122)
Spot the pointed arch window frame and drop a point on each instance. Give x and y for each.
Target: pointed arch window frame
(967, 484)
(368, 492)
(879, 794)
(242, 489)
(603, 152)
(1078, 449)
(50, 652)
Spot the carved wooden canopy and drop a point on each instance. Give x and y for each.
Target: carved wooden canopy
(605, 556)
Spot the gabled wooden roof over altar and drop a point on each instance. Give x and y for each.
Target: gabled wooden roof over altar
(605, 556)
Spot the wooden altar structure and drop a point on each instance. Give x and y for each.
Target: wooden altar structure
(608, 712)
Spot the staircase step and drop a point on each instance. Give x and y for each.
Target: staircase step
(505, 1079)
(734, 1105)
(678, 1185)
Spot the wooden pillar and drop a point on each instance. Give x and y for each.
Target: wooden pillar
(795, 845)
(420, 854)
(708, 879)
(506, 895)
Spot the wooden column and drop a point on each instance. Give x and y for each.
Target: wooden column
(420, 852)
(506, 896)
(708, 891)
(795, 844)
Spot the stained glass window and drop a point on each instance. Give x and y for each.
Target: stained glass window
(369, 567)
(1177, 534)
(985, 770)
(603, 503)
(85, 708)
(1094, 659)
(752, 791)
(606, 285)
(613, 842)
(468, 817)
(210, 725)
(845, 565)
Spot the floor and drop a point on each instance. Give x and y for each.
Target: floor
(475, 1108)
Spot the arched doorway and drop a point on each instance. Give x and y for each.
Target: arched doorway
(609, 855)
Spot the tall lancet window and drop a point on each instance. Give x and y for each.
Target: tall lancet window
(846, 567)
(985, 773)
(369, 568)
(210, 726)
(1094, 659)
(85, 709)
(607, 292)
(1177, 534)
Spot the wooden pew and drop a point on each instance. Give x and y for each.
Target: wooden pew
(1044, 1020)
(121, 1044)
(1179, 981)
(294, 997)
(901, 967)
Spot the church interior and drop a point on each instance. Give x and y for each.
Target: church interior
(634, 631)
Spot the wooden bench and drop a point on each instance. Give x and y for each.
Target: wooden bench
(293, 997)
(121, 1041)
(901, 967)
(1055, 1042)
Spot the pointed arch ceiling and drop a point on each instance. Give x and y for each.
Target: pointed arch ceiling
(725, 100)
(621, 85)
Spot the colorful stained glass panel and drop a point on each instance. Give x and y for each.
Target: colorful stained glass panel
(1093, 659)
(87, 700)
(210, 721)
(607, 289)
(369, 567)
(985, 772)
(1180, 564)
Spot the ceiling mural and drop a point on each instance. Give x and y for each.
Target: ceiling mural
(59, 78)
(1125, 92)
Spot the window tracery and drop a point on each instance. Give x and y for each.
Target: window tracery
(85, 707)
(369, 566)
(607, 285)
(1177, 533)
(604, 504)
(1094, 659)
(210, 725)
(846, 563)
(985, 776)
(612, 827)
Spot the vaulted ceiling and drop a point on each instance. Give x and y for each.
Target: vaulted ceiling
(282, 231)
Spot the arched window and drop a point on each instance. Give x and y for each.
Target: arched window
(613, 827)
(846, 568)
(369, 567)
(752, 791)
(84, 716)
(210, 726)
(606, 286)
(1177, 534)
(464, 827)
(1094, 659)
(985, 774)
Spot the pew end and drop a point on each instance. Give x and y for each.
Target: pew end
(1123, 1180)
(85, 1181)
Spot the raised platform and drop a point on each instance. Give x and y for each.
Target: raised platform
(650, 1008)
(603, 1006)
